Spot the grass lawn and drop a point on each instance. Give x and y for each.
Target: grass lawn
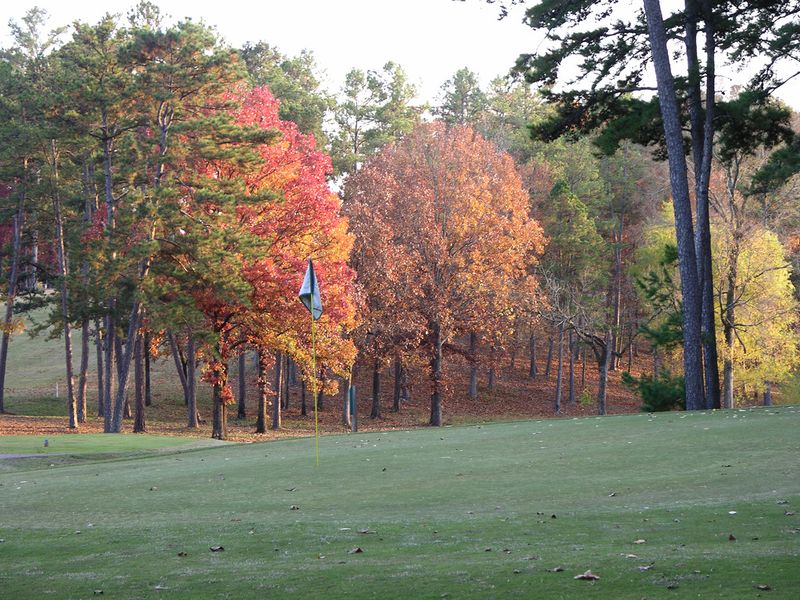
(673, 505)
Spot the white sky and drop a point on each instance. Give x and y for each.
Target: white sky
(430, 39)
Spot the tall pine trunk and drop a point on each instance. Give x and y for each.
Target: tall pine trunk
(83, 372)
(148, 388)
(549, 358)
(139, 425)
(63, 273)
(691, 293)
(16, 249)
(101, 388)
(191, 382)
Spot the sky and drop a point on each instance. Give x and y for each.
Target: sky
(430, 39)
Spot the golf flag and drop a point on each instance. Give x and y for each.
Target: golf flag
(309, 293)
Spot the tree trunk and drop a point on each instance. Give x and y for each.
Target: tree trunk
(398, 376)
(603, 364)
(220, 425)
(63, 273)
(572, 350)
(767, 393)
(278, 386)
(376, 390)
(346, 383)
(532, 371)
(148, 389)
(691, 293)
(473, 367)
(83, 372)
(98, 344)
(583, 369)
(181, 365)
(436, 377)
(285, 392)
(728, 324)
(303, 407)
(16, 249)
(191, 383)
(617, 288)
(241, 412)
(559, 370)
(549, 358)
(109, 366)
(261, 416)
(139, 425)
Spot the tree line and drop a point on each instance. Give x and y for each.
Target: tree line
(167, 191)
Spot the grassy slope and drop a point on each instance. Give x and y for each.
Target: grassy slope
(461, 512)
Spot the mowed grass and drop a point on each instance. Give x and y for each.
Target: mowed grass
(674, 505)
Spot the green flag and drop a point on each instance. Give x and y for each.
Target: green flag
(309, 292)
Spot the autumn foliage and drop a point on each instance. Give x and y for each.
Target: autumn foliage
(444, 241)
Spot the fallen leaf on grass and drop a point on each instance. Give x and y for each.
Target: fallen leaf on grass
(294, 507)
(217, 549)
(183, 553)
(640, 541)
(763, 587)
(533, 558)
(645, 567)
(612, 494)
(517, 571)
(356, 550)
(630, 556)
(555, 570)
(790, 513)
(782, 502)
(97, 592)
(153, 489)
(731, 538)
(291, 489)
(161, 587)
(587, 576)
(366, 531)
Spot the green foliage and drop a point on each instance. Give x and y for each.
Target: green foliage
(586, 399)
(661, 393)
(295, 81)
(463, 100)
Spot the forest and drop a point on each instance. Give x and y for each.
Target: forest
(161, 194)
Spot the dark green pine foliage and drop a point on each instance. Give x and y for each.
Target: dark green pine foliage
(294, 81)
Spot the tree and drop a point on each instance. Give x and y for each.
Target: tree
(463, 102)
(613, 52)
(457, 216)
(294, 81)
(374, 109)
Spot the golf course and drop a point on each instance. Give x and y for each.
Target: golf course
(670, 505)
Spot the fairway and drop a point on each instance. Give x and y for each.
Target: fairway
(658, 506)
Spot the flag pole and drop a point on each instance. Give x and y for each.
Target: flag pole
(314, 385)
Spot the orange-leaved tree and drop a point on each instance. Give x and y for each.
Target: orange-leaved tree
(443, 239)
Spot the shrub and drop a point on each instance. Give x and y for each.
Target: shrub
(658, 394)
